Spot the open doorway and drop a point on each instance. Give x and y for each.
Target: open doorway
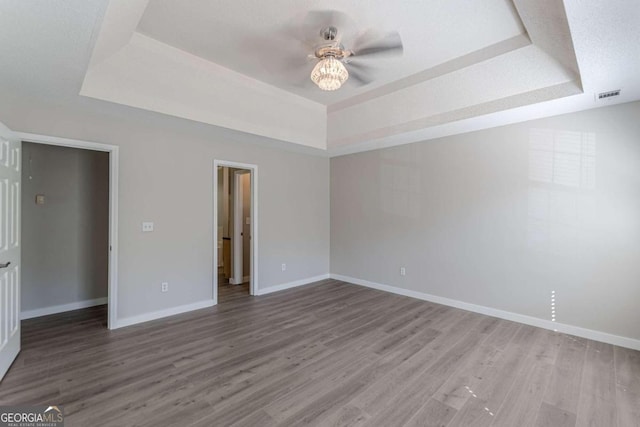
(65, 214)
(234, 231)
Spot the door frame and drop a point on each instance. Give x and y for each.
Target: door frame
(253, 170)
(112, 316)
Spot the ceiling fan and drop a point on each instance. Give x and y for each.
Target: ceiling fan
(335, 63)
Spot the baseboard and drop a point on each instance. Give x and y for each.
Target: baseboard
(132, 320)
(293, 284)
(45, 311)
(128, 321)
(507, 315)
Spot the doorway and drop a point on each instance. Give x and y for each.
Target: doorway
(111, 245)
(65, 231)
(11, 167)
(235, 225)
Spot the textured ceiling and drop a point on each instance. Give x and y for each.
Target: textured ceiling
(262, 39)
(46, 46)
(499, 68)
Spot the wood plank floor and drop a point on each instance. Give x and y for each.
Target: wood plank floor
(228, 292)
(327, 354)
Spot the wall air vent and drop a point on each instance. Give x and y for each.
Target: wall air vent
(610, 94)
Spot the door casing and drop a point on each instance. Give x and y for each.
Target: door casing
(253, 170)
(112, 322)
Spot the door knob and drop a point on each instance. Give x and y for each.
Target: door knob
(5, 265)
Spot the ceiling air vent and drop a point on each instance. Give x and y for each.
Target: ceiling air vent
(610, 94)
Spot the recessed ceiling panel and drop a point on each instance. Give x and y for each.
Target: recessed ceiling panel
(264, 39)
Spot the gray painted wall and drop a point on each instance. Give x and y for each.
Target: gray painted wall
(503, 217)
(65, 241)
(166, 176)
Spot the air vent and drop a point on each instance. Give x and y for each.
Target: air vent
(610, 94)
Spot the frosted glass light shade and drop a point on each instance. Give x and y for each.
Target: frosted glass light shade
(329, 74)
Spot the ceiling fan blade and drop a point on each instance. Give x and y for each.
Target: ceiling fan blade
(388, 45)
(354, 64)
(359, 77)
(292, 58)
(289, 68)
(296, 34)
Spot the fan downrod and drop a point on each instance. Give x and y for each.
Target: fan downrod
(329, 33)
(331, 47)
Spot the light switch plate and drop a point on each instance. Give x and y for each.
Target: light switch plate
(147, 227)
(39, 199)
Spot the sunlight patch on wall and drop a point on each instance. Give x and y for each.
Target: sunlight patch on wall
(561, 200)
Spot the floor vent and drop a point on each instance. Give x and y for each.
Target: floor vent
(611, 93)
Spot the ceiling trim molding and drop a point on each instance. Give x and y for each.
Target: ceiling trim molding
(118, 26)
(543, 27)
(514, 101)
(548, 27)
(555, 107)
(455, 64)
(152, 75)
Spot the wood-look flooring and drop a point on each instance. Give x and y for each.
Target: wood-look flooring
(328, 354)
(227, 292)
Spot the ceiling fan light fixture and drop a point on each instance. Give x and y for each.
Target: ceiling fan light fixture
(329, 73)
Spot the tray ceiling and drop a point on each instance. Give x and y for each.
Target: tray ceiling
(241, 65)
(263, 39)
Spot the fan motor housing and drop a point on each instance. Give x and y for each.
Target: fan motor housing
(331, 47)
(336, 51)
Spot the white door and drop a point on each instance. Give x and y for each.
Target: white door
(238, 249)
(10, 148)
(242, 227)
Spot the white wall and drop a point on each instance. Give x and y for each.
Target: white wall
(64, 241)
(501, 218)
(166, 176)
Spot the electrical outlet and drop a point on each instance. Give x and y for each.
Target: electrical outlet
(147, 227)
(403, 271)
(284, 267)
(164, 287)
